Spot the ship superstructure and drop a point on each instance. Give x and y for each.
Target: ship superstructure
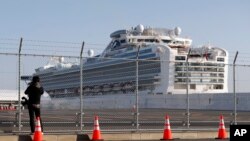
(166, 62)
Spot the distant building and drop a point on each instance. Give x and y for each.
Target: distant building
(9, 99)
(9, 96)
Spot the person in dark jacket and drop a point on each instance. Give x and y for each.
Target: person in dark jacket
(34, 92)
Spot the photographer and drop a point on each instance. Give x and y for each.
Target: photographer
(34, 92)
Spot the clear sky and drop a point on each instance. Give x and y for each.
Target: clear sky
(223, 23)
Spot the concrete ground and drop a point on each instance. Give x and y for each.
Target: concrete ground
(182, 136)
(204, 125)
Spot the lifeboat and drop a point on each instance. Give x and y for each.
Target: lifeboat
(107, 87)
(97, 88)
(117, 86)
(86, 89)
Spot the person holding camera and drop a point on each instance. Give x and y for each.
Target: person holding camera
(34, 92)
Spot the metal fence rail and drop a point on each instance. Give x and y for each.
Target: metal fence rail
(118, 110)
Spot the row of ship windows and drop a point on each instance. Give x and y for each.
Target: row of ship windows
(89, 90)
(120, 69)
(133, 53)
(102, 70)
(131, 66)
(199, 75)
(180, 64)
(118, 75)
(100, 76)
(120, 62)
(123, 55)
(193, 86)
(198, 80)
(124, 69)
(157, 41)
(119, 80)
(117, 43)
(182, 58)
(142, 81)
(97, 65)
(129, 63)
(200, 69)
(99, 81)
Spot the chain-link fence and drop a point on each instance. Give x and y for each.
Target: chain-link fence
(121, 91)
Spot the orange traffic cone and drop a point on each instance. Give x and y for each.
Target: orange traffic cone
(38, 135)
(167, 135)
(96, 132)
(222, 133)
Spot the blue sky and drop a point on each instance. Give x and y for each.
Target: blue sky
(223, 23)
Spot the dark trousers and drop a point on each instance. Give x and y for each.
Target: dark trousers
(34, 112)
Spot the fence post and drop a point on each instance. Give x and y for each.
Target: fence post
(19, 85)
(235, 98)
(81, 91)
(187, 92)
(136, 89)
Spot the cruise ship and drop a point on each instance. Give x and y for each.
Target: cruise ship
(167, 64)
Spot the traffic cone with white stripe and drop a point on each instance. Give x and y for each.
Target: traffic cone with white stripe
(96, 132)
(167, 134)
(222, 133)
(38, 135)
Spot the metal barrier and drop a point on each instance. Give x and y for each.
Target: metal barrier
(120, 107)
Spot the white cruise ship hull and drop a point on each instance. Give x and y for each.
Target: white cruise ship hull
(168, 67)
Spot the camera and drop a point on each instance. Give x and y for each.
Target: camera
(24, 101)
